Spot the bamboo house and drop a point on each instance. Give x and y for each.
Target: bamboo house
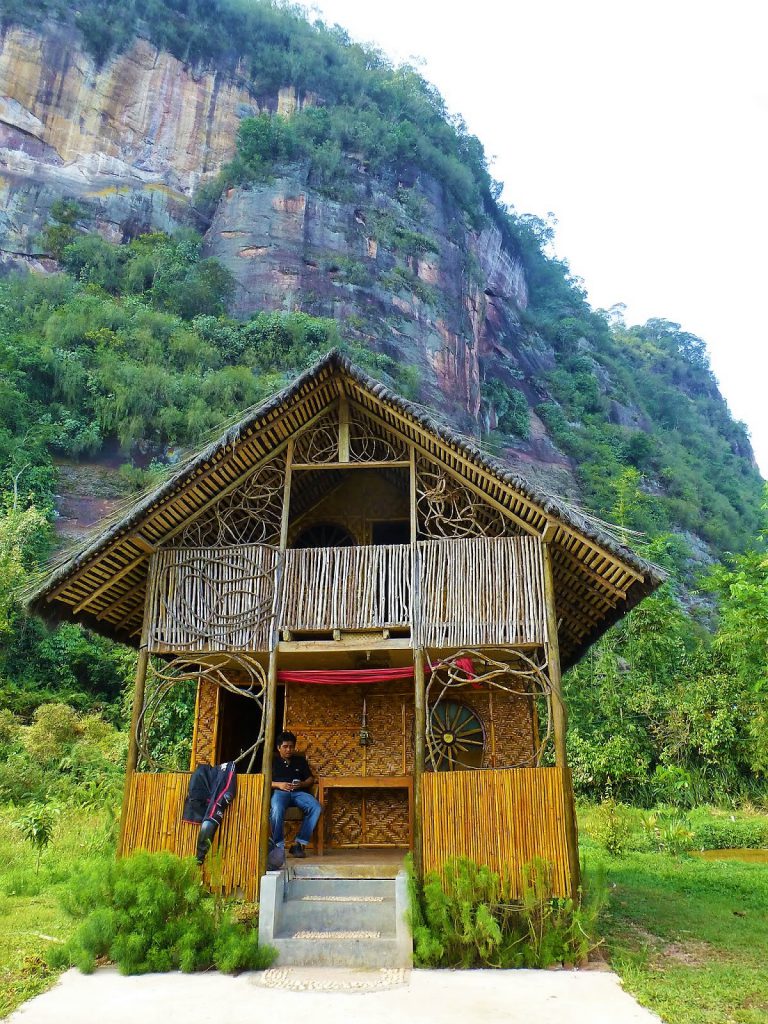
(340, 565)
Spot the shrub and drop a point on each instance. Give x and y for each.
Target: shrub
(611, 827)
(466, 917)
(150, 912)
(729, 833)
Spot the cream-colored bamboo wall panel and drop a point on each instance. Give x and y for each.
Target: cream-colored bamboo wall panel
(501, 818)
(212, 599)
(481, 591)
(153, 823)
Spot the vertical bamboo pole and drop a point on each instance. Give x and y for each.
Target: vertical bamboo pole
(419, 703)
(343, 428)
(419, 733)
(270, 700)
(560, 720)
(138, 704)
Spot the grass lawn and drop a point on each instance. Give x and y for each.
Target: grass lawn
(30, 915)
(689, 937)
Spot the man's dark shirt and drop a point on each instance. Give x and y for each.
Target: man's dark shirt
(295, 768)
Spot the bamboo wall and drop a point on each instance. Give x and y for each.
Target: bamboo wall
(327, 722)
(500, 818)
(347, 588)
(212, 599)
(481, 591)
(153, 823)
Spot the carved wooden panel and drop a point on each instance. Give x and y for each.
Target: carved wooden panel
(206, 724)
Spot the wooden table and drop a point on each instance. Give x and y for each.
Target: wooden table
(364, 782)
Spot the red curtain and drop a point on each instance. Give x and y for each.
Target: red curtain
(347, 676)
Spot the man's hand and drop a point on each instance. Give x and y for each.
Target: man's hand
(287, 787)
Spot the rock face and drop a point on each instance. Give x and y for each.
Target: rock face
(394, 262)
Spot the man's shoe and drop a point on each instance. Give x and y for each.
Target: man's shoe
(297, 850)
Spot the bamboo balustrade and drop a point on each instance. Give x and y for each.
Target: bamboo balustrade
(501, 818)
(212, 599)
(484, 591)
(153, 823)
(481, 591)
(347, 588)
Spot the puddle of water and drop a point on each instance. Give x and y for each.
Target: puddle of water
(750, 856)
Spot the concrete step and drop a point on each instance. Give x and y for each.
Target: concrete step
(330, 888)
(330, 869)
(314, 914)
(327, 950)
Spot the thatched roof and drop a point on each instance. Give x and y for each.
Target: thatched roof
(102, 583)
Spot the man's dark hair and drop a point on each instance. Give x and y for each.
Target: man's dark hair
(285, 736)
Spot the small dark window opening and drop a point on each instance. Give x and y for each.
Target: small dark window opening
(392, 531)
(324, 535)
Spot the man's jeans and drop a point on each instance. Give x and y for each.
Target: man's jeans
(281, 801)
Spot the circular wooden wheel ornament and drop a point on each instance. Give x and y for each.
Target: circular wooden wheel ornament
(455, 737)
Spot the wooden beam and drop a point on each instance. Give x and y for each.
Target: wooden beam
(560, 721)
(373, 464)
(133, 738)
(419, 747)
(108, 583)
(343, 428)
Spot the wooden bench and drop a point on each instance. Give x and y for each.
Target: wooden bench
(364, 782)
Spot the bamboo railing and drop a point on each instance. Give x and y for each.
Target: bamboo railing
(481, 592)
(212, 599)
(347, 588)
(153, 823)
(502, 818)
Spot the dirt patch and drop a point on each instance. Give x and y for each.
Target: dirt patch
(692, 954)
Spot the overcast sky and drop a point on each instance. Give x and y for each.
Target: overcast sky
(642, 127)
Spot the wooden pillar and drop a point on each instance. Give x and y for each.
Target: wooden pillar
(133, 742)
(560, 720)
(270, 698)
(420, 700)
(419, 734)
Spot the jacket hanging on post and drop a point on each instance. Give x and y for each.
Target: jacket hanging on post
(211, 790)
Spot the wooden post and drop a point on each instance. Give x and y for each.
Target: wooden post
(560, 720)
(343, 428)
(133, 741)
(270, 698)
(419, 734)
(419, 702)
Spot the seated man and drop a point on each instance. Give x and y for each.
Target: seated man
(291, 778)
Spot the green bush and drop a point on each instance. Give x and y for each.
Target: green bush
(150, 912)
(611, 826)
(466, 917)
(728, 832)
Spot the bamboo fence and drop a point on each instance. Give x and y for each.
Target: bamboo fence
(212, 599)
(481, 591)
(347, 588)
(154, 823)
(501, 818)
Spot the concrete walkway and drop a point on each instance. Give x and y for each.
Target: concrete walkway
(327, 996)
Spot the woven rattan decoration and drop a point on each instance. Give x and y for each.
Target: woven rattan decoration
(463, 672)
(238, 673)
(212, 599)
(447, 508)
(250, 514)
(320, 443)
(367, 444)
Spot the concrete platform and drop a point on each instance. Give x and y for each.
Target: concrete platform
(328, 996)
(354, 863)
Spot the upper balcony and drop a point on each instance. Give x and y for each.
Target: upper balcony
(438, 594)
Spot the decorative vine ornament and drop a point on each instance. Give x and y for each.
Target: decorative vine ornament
(250, 514)
(365, 446)
(213, 598)
(320, 443)
(238, 673)
(449, 509)
(454, 731)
